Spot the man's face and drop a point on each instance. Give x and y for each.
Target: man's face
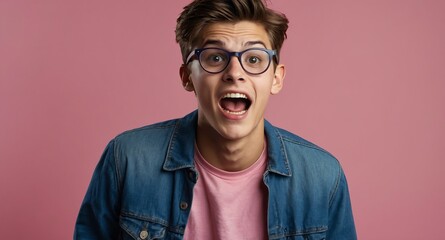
(231, 104)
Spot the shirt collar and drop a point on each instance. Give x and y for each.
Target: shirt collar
(180, 152)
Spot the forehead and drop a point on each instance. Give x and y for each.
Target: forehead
(234, 35)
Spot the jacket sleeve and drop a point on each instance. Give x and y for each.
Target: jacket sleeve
(99, 213)
(341, 221)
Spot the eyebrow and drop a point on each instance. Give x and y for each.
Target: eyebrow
(220, 43)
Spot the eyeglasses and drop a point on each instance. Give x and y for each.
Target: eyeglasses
(215, 60)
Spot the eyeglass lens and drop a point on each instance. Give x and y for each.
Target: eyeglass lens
(254, 61)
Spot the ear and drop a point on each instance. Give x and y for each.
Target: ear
(187, 83)
(277, 85)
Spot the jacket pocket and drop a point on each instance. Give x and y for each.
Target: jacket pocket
(315, 236)
(319, 234)
(134, 228)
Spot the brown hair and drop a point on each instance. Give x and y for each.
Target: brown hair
(200, 13)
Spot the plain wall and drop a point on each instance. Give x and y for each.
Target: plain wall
(365, 80)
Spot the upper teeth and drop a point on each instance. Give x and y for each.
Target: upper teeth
(235, 95)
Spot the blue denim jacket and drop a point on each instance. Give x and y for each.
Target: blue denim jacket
(142, 188)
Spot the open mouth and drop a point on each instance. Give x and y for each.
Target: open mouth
(235, 103)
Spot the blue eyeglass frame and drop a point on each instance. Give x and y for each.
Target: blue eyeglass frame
(197, 53)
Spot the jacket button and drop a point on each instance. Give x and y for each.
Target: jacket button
(143, 234)
(183, 205)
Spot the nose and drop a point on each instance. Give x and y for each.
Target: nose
(234, 71)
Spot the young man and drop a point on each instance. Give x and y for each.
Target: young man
(221, 172)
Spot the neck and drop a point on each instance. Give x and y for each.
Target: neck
(230, 154)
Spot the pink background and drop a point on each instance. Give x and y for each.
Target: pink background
(366, 80)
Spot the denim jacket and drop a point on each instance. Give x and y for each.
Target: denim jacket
(142, 187)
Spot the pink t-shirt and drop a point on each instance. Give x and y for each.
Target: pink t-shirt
(228, 205)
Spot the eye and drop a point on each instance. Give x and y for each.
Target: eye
(255, 57)
(253, 60)
(216, 58)
(213, 57)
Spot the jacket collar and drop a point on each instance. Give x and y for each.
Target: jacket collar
(181, 147)
(276, 151)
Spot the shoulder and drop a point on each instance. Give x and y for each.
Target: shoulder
(307, 157)
(145, 137)
(148, 129)
(294, 141)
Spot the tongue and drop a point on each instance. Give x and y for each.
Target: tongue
(233, 105)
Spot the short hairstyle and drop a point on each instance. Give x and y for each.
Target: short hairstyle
(199, 13)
